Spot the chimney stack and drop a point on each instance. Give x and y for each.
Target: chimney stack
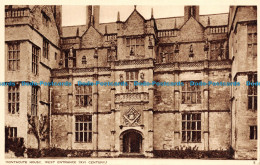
(95, 13)
(92, 16)
(191, 11)
(88, 15)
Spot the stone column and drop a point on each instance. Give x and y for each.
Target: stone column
(95, 105)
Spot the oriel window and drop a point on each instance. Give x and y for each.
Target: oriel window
(14, 99)
(252, 39)
(252, 92)
(45, 48)
(34, 100)
(35, 59)
(13, 56)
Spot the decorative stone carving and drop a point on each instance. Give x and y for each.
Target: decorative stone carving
(142, 76)
(121, 77)
(206, 46)
(71, 52)
(191, 55)
(176, 50)
(132, 117)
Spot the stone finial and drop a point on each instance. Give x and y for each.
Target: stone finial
(118, 16)
(152, 13)
(208, 21)
(77, 33)
(134, 7)
(191, 49)
(106, 29)
(175, 24)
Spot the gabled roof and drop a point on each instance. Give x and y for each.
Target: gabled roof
(161, 23)
(194, 20)
(215, 19)
(94, 29)
(135, 11)
(71, 31)
(169, 23)
(111, 27)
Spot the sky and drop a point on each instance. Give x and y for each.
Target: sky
(75, 15)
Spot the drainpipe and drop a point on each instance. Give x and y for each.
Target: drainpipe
(50, 117)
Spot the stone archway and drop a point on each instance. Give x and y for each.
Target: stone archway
(131, 142)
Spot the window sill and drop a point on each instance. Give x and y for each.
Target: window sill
(191, 142)
(14, 114)
(76, 106)
(83, 142)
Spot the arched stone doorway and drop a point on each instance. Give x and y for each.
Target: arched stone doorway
(131, 141)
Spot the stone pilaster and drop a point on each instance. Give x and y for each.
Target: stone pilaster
(113, 122)
(95, 105)
(205, 103)
(150, 115)
(70, 106)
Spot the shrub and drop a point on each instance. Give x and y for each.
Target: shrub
(58, 152)
(16, 145)
(192, 153)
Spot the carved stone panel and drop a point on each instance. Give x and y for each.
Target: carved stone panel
(132, 117)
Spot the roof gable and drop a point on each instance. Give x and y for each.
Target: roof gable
(192, 30)
(92, 38)
(134, 25)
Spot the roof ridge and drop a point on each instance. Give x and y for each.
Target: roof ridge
(106, 23)
(169, 17)
(74, 25)
(213, 14)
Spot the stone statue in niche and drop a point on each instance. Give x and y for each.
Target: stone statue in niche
(121, 77)
(71, 52)
(163, 57)
(206, 46)
(131, 51)
(222, 50)
(191, 55)
(113, 45)
(142, 76)
(150, 43)
(176, 50)
(191, 49)
(96, 51)
(60, 62)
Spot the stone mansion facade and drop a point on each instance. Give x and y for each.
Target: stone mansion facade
(133, 120)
